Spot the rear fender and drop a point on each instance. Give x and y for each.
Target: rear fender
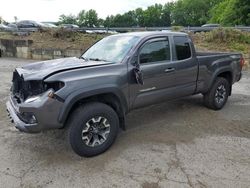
(216, 74)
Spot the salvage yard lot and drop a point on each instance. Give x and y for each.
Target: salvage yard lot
(178, 144)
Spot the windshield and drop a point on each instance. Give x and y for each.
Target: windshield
(111, 49)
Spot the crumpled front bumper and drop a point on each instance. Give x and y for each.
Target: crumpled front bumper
(46, 111)
(19, 124)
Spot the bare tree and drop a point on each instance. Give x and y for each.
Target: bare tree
(16, 19)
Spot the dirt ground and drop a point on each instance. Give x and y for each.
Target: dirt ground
(173, 144)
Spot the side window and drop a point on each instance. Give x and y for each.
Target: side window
(155, 51)
(182, 47)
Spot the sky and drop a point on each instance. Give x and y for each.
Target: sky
(50, 10)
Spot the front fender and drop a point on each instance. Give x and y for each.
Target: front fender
(80, 94)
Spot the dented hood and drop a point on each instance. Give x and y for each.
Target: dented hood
(44, 69)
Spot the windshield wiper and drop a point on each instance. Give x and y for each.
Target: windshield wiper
(93, 59)
(83, 58)
(97, 59)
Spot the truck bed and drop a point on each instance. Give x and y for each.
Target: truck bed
(209, 63)
(207, 58)
(215, 54)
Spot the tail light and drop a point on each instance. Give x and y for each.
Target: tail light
(242, 62)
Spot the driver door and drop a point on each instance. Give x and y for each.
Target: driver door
(158, 73)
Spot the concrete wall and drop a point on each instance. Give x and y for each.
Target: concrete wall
(53, 53)
(23, 49)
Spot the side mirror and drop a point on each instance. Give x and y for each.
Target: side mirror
(138, 75)
(137, 72)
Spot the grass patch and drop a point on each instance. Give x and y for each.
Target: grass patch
(224, 40)
(176, 28)
(58, 39)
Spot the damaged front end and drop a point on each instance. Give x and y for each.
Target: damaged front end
(33, 102)
(24, 90)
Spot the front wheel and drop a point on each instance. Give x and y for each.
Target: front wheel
(217, 96)
(93, 128)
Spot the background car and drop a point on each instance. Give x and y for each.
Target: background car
(70, 26)
(3, 27)
(30, 25)
(12, 26)
(6, 28)
(49, 25)
(206, 28)
(211, 25)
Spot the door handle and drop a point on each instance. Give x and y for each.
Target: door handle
(169, 70)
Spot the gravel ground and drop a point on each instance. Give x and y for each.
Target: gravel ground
(173, 144)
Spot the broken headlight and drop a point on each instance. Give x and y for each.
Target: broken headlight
(53, 85)
(31, 99)
(28, 117)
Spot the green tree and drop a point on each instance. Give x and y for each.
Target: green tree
(139, 17)
(153, 16)
(108, 21)
(231, 12)
(166, 14)
(192, 12)
(2, 21)
(81, 18)
(67, 19)
(101, 22)
(180, 12)
(223, 13)
(16, 19)
(117, 21)
(91, 18)
(128, 19)
(243, 12)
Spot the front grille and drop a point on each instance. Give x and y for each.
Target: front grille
(22, 89)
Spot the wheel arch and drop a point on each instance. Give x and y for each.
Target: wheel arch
(226, 73)
(110, 96)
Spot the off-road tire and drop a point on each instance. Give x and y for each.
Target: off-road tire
(210, 98)
(77, 123)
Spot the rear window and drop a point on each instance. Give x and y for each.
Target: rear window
(182, 47)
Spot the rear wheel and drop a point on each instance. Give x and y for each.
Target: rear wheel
(217, 96)
(92, 129)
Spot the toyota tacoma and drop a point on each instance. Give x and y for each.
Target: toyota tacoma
(92, 94)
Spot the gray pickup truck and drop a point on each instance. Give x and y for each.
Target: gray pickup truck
(92, 94)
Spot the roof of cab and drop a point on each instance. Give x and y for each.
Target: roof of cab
(152, 33)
